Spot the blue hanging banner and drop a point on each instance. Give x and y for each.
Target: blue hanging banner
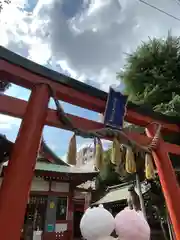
(115, 109)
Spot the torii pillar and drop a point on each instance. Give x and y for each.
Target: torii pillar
(16, 184)
(168, 181)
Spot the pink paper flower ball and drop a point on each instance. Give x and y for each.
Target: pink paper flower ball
(130, 224)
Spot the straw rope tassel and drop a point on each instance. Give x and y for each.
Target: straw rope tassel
(130, 161)
(116, 154)
(98, 155)
(72, 151)
(149, 167)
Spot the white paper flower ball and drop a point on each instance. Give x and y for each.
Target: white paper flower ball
(130, 224)
(96, 223)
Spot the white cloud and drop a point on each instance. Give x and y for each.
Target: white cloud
(8, 123)
(90, 45)
(41, 52)
(12, 22)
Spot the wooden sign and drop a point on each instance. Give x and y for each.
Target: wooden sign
(115, 109)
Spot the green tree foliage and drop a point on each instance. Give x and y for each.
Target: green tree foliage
(152, 75)
(107, 176)
(4, 85)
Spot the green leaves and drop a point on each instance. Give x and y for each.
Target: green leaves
(152, 77)
(107, 175)
(171, 108)
(152, 73)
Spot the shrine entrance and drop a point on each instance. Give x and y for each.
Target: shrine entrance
(35, 216)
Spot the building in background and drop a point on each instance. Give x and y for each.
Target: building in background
(85, 155)
(101, 118)
(54, 209)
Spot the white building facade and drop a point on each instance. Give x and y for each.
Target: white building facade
(85, 156)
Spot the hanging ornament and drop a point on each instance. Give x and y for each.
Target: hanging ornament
(98, 154)
(149, 167)
(71, 155)
(96, 223)
(130, 161)
(116, 154)
(115, 109)
(130, 224)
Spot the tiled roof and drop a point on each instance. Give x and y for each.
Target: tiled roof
(119, 194)
(51, 167)
(61, 169)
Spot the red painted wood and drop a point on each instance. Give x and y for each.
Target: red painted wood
(56, 236)
(17, 180)
(50, 193)
(79, 209)
(48, 236)
(143, 121)
(63, 235)
(62, 221)
(70, 212)
(16, 108)
(27, 79)
(168, 181)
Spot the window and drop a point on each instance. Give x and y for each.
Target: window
(61, 210)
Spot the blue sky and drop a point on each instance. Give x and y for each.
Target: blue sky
(57, 139)
(85, 39)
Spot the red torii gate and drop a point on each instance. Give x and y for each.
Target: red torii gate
(35, 114)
